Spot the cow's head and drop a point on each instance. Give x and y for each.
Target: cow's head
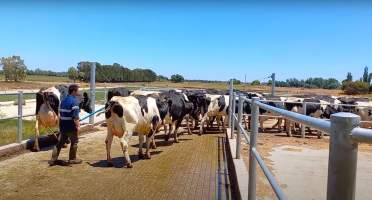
(85, 103)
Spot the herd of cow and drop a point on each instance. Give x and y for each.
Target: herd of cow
(145, 112)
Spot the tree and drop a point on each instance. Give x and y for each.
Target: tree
(256, 82)
(14, 68)
(177, 78)
(236, 81)
(349, 77)
(73, 74)
(356, 87)
(162, 78)
(365, 75)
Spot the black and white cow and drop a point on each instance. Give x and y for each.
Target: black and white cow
(218, 106)
(125, 115)
(47, 108)
(314, 108)
(120, 91)
(178, 107)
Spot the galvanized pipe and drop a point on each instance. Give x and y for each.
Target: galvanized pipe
(273, 85)
(20, 115)
(278, 191)
(343, 157)
(361, 135)
(238, 135)
(230, 103)
(303, 126)
(233, 122)
(252, 160)
(92, 90)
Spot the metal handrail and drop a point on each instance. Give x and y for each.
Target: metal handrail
(344, 133)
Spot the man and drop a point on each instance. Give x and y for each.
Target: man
(69, 126)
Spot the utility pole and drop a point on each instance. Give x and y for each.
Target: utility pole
(92, 89)
(273, 85)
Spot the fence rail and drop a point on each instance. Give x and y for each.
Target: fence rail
(344, 132)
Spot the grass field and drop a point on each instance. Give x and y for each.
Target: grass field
(41, 78)
(8, 130)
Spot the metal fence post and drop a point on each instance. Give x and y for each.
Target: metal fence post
(303, 126)
(232, 116)
(238, 135)
(92, 90)
(20, 116)
(343, 154)
(252, 160)
(106, 91)
(231, 90)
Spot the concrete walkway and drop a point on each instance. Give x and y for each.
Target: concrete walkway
(195, 168)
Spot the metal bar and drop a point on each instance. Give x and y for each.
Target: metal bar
(93, 113)
(245, 134)
(309, 121)
(233, 122)
(273, 85)
(92, 90)
(238, 135)
(361, 135)
(252, 160)
(20, 113)
(343, 157)
(278, 191)
(303, 126)
(230, 103)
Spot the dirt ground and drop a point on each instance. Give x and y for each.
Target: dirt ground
(296, 151)
(195, 168)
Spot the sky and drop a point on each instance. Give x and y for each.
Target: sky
(213, 40)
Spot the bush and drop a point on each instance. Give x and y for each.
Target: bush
(256, 82)
(236, 81)
(356, 87)
(176, 78)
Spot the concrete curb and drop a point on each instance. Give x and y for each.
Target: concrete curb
(237, 169)
(14, 148)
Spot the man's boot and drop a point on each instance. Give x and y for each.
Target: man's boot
(55, 155)
(72, 155)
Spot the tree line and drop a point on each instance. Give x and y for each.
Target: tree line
(318, 82)
(359, 86)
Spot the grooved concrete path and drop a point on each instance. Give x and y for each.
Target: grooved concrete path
(195, 168)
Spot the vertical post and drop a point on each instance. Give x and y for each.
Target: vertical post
(303, 126)
(238, 135)
(273, 85)
(105, 94)
(20, 117)
(252, 159)
(92, 90)
(343, 154)
(230, 103)
(232, 116)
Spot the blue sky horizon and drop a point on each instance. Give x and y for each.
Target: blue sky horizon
(200, 40)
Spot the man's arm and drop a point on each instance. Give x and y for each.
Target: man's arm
(75, 115)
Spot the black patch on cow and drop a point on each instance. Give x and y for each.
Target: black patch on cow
(39, 101)
(121, 91)
(142, 100)
(118, 109)
(221, 103)
(63, 89)
(162, 107)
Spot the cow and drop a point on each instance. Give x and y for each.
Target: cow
(200, 104)
(314, 108)
(47, 108)
(126, 115)
(145, 93)
(120, 91)
(178, 107)
(217, 107)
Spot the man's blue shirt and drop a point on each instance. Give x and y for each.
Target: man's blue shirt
(68, 112)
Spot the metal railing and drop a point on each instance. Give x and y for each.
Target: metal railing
(20, 115)
(345, 135)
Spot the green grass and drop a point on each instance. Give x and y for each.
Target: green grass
(8, 130)
(15, 97)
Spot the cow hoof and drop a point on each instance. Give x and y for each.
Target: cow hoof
(148, 156)
(166, 138)
(129, 165)
(176, 141)
(140, 155)
(153, 147)
(190, 133)
(64, 146)
(36, 149)
(109, 164)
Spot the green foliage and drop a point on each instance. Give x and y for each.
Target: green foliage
(162, 78)
(177, 78)
(256, 82)
(73, 73)
(115, 73)
(14, 68)
(39, 71)
(236, 81)
(349, 77)
(356, 87)
(318, 82)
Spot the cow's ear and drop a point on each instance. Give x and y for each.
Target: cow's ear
(85, 95)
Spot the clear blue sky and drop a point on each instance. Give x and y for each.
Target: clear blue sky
(214, 41)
